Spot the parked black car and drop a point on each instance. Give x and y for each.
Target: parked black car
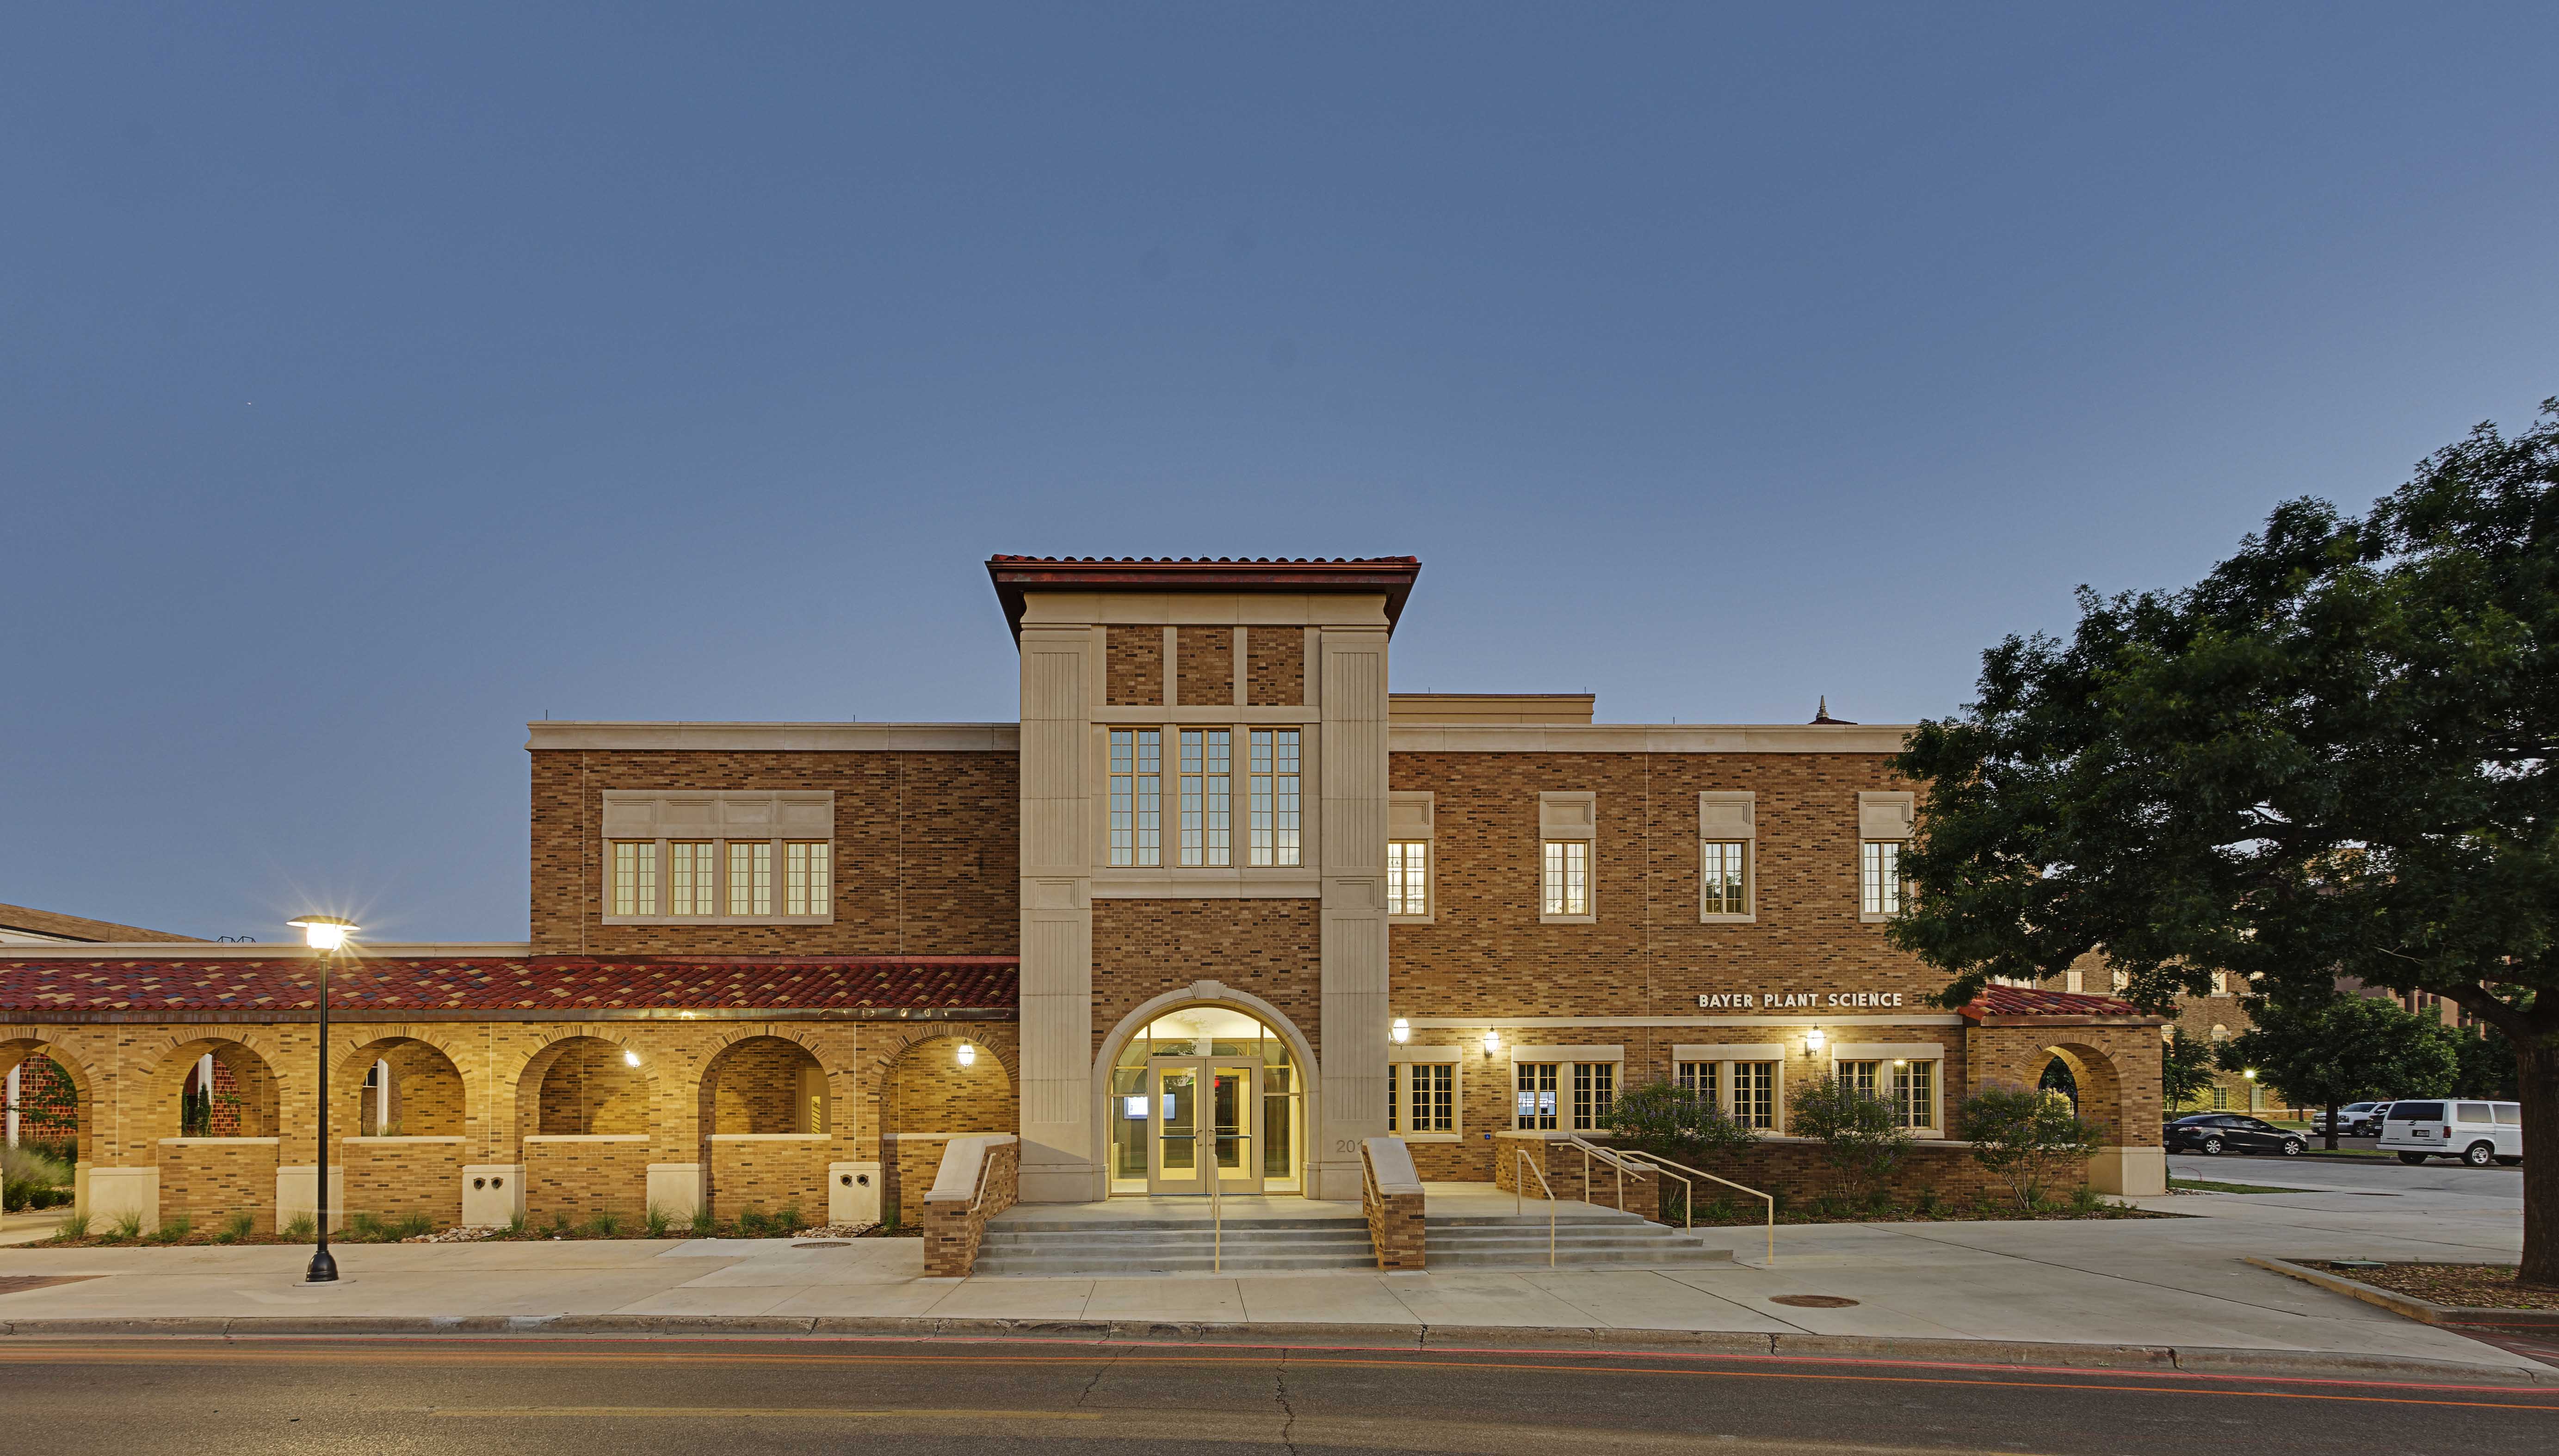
(2229, 1132)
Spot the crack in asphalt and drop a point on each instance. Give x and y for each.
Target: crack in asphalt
(1103, 1370)
(1280, 1392)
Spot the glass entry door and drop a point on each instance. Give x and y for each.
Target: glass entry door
(1208, 1117)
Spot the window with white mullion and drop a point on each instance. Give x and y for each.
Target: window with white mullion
(693, 878)
(1879, 877)
(1136, 797)
(635, 877)
(1408, 877)
(1568, 877)
(809, 878)
(750, 877)
(1275, 821)
(1207, 795)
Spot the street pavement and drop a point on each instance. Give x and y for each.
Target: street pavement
(2168, 1284)
(659, 1397)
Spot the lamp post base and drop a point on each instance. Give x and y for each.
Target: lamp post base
(323, 1271)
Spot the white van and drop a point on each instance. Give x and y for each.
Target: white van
(2475, 1133)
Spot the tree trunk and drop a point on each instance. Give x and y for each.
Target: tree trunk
(2331, 1127)
(2536, 1065)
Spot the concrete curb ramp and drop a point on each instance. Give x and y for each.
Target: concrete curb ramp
(2425, 1311)
(2159, 1357)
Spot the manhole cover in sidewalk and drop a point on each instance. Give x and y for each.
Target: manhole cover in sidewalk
(21, 1284)
(1811, 1301)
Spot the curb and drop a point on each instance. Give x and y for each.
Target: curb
(2425, 1311)
(2162, 1359)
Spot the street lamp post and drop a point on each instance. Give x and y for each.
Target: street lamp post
(325, 934)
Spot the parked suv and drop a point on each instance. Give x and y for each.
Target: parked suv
(2477, 1134)
(2354, 1119)
(2229, 1132)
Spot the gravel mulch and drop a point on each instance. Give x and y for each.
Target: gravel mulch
(2468, 1286)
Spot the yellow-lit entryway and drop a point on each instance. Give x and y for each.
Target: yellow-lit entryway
(1204, 1091)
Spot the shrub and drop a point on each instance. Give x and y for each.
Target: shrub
(127, 1225)
(515, 1222)
(789, 1220)
(750, 1224)
(174, 1231)
(412, 1225)
(364, 1228)
(604, 1226)
(28, 1178)
(703, 1225)
(2030, 1138)
(1672, 1121)
(74, 1227)
(300, 1228)
(1863, 1139)
(656, 1222)
(236, 1227)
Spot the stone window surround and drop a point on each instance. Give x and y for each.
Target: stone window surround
(1238, 878)
(1410, 818)
(1569, 815)
(641, 814)
(1727, 815)
(1839, 1052)
(1564, 1056)
(1728, 1052)
(1881, 819)
(1455, 1057)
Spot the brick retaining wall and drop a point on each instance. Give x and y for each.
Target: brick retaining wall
(397, 1176)
(207, 1179)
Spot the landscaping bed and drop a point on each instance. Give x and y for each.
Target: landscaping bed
(79, 1233)
(2463, 1286)
(1735, 1215)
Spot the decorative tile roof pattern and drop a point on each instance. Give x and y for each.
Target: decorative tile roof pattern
(1013, 575)
(557, 984)
(2034, 1001)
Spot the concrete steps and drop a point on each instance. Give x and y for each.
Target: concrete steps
(1584, 1238)
(1171, 1247)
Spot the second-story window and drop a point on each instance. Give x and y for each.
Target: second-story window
(1207, 770)
(694, 878)
(1408, 877)
(1724, 864)
(1274, 807)
(809, 878)
(1879, 877)
(635, 877)
(1137, 795)
(1568, 877)
(750, 877)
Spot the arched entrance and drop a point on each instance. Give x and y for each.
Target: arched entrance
(1206, 1090)
(397, 1086)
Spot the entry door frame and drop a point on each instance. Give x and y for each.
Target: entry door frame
(1246, 1176)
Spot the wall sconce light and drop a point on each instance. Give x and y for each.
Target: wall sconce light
(1901, 1061)
(1492, 1041)
(631, 1059)
(2250, 1074)
(1813, 1040)
(1400, 1032)
(967, 1054)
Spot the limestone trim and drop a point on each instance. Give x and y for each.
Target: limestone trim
(1729, 816)
(1644, 738)
(1567, 1053)
(1205, 994)
(1506, 1023)
(1887, 1051)
(778, 737)
(1570, 815)
(1179, 883)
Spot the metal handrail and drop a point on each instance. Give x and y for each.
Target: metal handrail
(1614, 1159)
(1216, 1212)
(1676, 1168)
(985, 1171)
(1519, 1197)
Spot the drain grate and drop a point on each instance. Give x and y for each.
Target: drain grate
(825, 1244)
(1812, 1301)
(21, 1284)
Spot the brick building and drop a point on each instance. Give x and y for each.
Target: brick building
(1218, 903)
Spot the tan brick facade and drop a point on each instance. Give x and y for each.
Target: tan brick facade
(1274, 666)
(398, 1176)
(1143, 948)
(1205, 670)
(769, 1175)
(206, 1179)
(1136, 666)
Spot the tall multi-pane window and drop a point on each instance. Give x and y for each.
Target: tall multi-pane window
(1274, 812)
(808, 878)
(750, 877)
(1408, 877)
(1860, 1077)
(1568, 877)
(1535, 1108)
(1916, 1098)
(1703, 1078)
(1879, 876)
(1722, 865)
(635, 877)
(1207, 765)
(1434, 1096)
(1137, 795)
(1755, 1095)
(1594, 1091)
(693, 877)
(1394, 1096)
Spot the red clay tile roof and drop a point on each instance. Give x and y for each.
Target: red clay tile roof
(2031, 1001)
(1013, 575)
(851, 986)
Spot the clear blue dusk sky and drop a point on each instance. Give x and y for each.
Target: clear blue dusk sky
(373, 379)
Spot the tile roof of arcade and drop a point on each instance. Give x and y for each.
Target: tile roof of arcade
(919, 987)
(1013, 575)
(2002, 1002)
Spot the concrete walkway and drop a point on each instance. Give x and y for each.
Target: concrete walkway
(2170, 1283)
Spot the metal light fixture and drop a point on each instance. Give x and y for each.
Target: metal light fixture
(631, 1059)
(967, 1054)
(1492, 1041)
(2250, 1074)
(1813, 1040)
(1400, 1032)
(328, 935)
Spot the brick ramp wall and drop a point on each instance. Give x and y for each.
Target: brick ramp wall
(581, 1177)
(953, 1231)
(908, 1163)
(206, 1180)
(398, 1176)
(768, 1174)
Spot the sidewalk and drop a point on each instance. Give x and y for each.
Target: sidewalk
(2107, 1293)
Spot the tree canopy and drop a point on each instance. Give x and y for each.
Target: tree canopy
(2335, 754)
(2328, 1052)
